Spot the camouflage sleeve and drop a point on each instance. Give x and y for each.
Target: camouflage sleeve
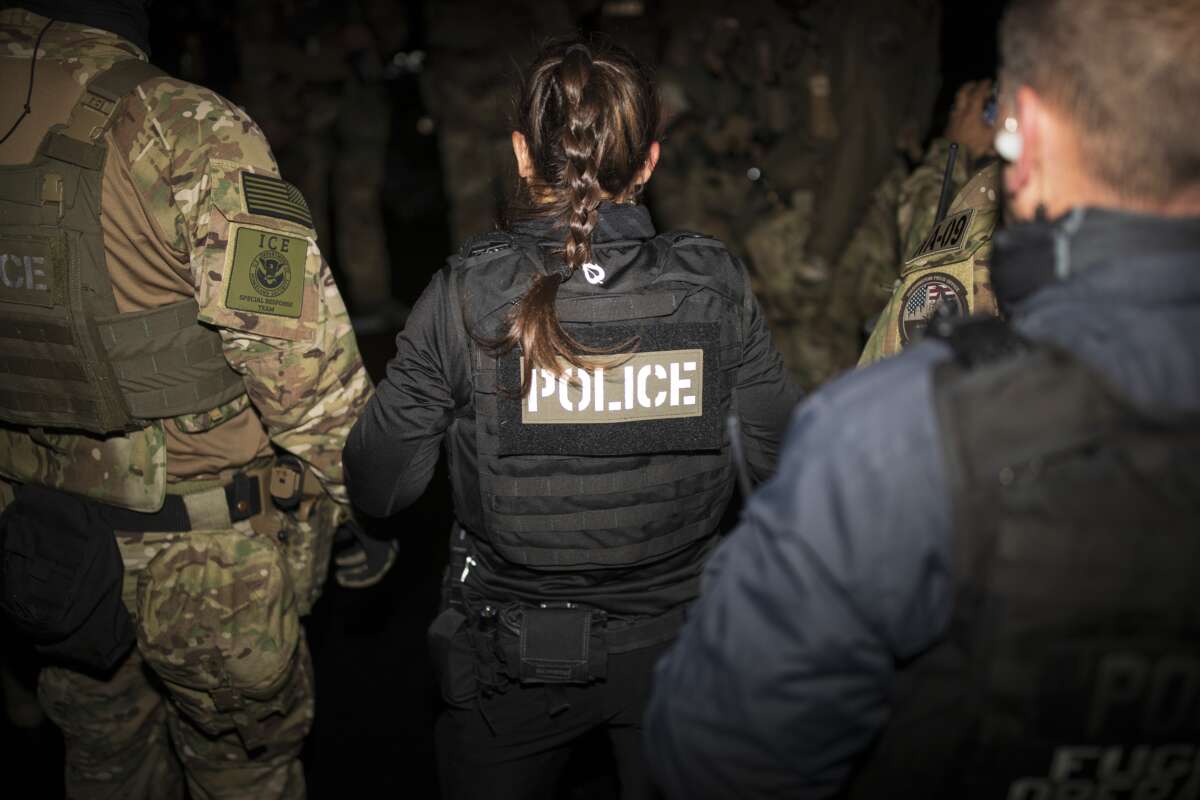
(920, 194)
(208, 181)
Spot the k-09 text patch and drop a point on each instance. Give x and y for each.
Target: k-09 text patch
(267, 275)
(947, 235)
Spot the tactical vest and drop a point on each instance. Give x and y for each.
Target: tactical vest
(69, 362)
(624, 461)
(1072, 663)
(948, 275)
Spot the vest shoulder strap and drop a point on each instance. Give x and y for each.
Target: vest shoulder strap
(76, 142)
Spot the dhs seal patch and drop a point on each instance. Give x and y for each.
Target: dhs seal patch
(270, 273)
(932, 293)
(266, 275)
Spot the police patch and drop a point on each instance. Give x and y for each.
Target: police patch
(935, 293)
(668, 396)
(272, 197)
(266, 276)
(949, 234)
(665, 384)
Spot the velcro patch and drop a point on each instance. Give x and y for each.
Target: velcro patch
(665, 384)
(267, 275)
(272, 197)
(666, 397)
(949, 234)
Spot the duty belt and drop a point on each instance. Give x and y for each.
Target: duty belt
(242, 497)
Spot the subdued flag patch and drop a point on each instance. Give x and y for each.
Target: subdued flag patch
(272, 197)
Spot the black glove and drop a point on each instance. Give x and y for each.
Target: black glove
(361, 560)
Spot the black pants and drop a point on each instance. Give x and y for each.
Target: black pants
(520, 750)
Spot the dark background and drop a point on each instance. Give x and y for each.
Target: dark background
(376, 695)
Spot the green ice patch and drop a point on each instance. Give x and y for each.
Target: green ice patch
(267, 276)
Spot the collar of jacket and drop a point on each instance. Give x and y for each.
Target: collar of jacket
(1033, 255)
(617, 222)
(127, 19)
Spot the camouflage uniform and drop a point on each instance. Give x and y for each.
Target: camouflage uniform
(896, 222)
(783, 117)
(948, 273)
(216, 606)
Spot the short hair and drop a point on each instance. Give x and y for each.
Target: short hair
(1127, 73)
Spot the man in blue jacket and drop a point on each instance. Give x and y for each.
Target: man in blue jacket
(977, 570)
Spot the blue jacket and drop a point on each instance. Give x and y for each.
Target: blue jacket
(840, 567)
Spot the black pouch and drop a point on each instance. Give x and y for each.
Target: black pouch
(453, 657)
(60, 578)
(562, 645)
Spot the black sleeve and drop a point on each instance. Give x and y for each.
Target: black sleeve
(764, 392)
(392, 450)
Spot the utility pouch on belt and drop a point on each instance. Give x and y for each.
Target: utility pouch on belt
(453, 657)
(562, 645)
(60, 578)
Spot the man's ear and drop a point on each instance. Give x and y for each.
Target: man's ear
(521, 151)
(651, 162)
(1023, 175)
(1023, 172)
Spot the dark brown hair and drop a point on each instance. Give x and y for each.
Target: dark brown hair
(589, 113)
(1126, 73)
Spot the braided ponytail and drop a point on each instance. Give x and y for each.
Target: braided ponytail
(581, 148)
(589, 115)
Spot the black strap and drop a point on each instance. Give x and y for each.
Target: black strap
(646, 633)
(242, 494)
(979, 340)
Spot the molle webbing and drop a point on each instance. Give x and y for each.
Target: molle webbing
(67, 358)
(166, 363)
(605, 494)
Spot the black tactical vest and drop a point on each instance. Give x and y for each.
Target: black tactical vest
(1072, 665)
(68, 359)
(627, 460)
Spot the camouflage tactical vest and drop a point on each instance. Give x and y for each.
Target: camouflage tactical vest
(1072, 666)
(624, 461)
(71, 363)
(949, 272)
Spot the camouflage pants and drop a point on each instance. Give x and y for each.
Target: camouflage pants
(127, 737)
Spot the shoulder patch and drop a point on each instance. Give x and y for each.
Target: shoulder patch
(947, 235)
(273, 197)
(934, 293)
(267, 273)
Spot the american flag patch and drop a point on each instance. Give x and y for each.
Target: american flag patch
(272, 197)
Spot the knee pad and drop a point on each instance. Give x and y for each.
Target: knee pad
(217, 622)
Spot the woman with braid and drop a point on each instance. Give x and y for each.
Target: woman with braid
(586, 374)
